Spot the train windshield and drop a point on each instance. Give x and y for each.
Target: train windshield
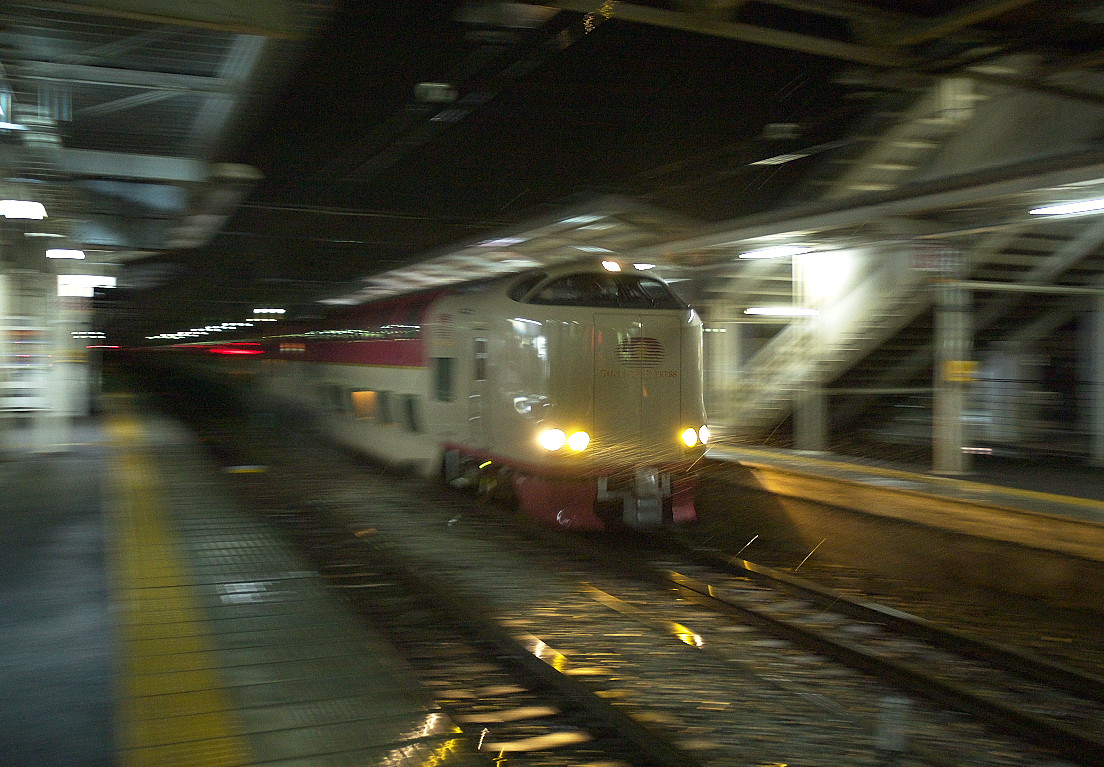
(622, 291)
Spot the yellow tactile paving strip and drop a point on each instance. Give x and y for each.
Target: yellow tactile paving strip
(172, 707)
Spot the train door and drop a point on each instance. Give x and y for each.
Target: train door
(477, 392)
(637, 385)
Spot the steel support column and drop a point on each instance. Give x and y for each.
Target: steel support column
(723, 360)
(952, 374)
(810, 408)
(1096, 385)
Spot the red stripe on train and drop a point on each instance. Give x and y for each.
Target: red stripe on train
(405, 352)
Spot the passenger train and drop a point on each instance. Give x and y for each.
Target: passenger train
(575, 391)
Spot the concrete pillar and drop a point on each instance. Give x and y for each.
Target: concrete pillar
(42, 364)
(50, 425)
(953, 373)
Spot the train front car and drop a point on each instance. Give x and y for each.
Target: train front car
(582, 394)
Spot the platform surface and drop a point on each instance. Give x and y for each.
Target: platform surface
(149, 620)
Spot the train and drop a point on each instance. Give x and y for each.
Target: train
(574, 392)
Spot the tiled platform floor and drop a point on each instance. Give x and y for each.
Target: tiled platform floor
(159, 624)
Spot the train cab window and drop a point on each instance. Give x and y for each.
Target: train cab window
(522, 288)
(480, 363)
(620, 291)
(442, 379)
(658, 293)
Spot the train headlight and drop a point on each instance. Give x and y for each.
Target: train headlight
(703, 435)
(578, 441)
(689, 437)
(552, 439)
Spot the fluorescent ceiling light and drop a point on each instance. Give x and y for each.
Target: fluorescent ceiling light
(644, 267)
(64, 253)
(22, 209)
(502, 242)
(588, 219)
(82, 285)
(42, 234)
(611, 266)
(12, 126)
(777, 251)
(781, 159)
(1069, 208)
(781, 311)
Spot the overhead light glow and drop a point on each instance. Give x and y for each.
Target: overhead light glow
(777, 251)
(782, 311)
(644, 267)
(64, 253)
(22, 209)
(1069, 208)
(611, 266)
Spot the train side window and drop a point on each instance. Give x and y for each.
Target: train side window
(411, 420)
(329, 397)
(339, 399)
(480, 366)
(365, 404)
(385, 407)
(442, 378)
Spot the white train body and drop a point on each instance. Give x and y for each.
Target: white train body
(576, 390)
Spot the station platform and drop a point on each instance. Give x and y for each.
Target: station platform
(148, 620)
(1042, 505)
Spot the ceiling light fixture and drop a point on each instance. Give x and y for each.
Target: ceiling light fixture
(64, 253)
(777, 251)
(22, 209)
(1069, 208)
(782, 311)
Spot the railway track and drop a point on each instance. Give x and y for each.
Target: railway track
(1049, 704)
(574, 686)
(516, 697)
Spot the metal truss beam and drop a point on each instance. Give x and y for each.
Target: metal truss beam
(267, 18)
(748, 33)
